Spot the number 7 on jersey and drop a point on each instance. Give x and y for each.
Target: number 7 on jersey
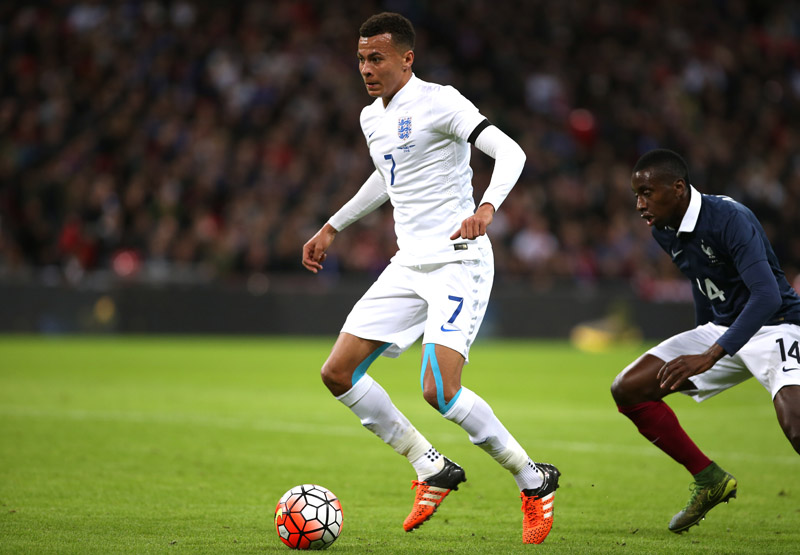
(391, 171)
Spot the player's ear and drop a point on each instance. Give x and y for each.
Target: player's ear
(408, 60)
(680, 187)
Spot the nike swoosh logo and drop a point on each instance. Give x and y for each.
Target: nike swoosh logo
(675, 254)
(789, 369)
(445, 329)
(371, 134)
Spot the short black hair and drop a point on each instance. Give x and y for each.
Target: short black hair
(667, 165)
(401, 29)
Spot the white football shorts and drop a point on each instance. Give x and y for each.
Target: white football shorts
(772, 356)
(445, 303)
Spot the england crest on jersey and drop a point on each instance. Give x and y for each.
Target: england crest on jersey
(404, 127)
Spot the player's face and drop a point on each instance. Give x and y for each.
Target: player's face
(660, 203)
(384, 68)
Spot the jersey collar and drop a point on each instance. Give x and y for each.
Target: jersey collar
(689, 220)
(411, 84)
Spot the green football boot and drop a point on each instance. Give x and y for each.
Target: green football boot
(704, 498)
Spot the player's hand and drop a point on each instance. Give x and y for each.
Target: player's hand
(675, 372)
(314, 249)
(476, 225)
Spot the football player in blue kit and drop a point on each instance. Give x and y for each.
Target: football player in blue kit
(438, 283)
(747, 318)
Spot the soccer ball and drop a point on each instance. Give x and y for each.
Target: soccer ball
(308, 517)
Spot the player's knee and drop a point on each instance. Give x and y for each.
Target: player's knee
(627, 391)
(337, 381)
(440, 398)
(631, 388)
(430, 396)
(327, 376)
(619, 390)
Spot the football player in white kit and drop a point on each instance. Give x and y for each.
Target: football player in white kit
(438, 283)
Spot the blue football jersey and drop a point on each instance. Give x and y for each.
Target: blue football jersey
(717, 242)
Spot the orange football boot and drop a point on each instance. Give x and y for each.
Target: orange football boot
(537, 506)
(432, 492)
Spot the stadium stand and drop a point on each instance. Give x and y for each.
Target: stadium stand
(206, 141)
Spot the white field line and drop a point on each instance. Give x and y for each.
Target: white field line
(274, 425)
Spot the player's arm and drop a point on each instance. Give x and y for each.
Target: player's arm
(509, 161)
(369, 197)
(746, 247)
(765, 299)
(750, 259)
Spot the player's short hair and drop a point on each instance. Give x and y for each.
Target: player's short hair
(666, 164)
(401, 29)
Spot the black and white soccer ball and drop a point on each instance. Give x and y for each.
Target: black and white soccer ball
(308, 517)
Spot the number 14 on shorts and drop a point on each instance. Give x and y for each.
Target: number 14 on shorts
(793, 352)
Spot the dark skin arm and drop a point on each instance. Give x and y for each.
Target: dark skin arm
(675, 372)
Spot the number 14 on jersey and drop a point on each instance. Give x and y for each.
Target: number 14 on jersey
(711, 290)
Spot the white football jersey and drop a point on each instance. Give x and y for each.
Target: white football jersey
(418, 143)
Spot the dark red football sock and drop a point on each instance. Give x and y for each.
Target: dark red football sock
(656, 421)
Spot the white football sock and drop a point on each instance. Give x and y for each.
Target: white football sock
(370, 402)
(529, 477)
(487, 432)
(428, 464)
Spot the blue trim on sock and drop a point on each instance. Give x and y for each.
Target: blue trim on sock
(361, 369)
(452, 402)
(430, 355)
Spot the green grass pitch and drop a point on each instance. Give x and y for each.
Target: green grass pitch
(184, 445)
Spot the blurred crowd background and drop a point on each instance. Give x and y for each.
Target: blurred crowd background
(207, 141)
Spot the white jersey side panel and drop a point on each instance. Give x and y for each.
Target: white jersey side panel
(419, 145)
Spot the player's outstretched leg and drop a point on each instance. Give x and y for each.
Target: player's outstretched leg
(431, 493)
(711, 487)
(537, 506)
